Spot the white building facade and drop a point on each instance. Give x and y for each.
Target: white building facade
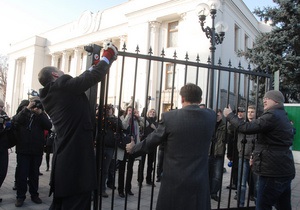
(171, 25)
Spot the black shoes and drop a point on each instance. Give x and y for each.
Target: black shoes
(111, 187)
(252, 198)
(19, 202)
(0, 200)
(121, 194)
(36, 199)
(215, 197)
(41, 174)
(233, 187)
(129, 192)
(151, 183)
(158, 180)
(104, 194)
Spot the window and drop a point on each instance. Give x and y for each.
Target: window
(172, 34)
(236, 38)
(169, 76)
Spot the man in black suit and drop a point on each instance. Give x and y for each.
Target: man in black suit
(73, 175)
(186, 134)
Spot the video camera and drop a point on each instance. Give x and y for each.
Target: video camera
(38, 104)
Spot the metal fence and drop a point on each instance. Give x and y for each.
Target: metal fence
(235, 86)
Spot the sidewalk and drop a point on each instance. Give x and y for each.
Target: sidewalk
(8, 194)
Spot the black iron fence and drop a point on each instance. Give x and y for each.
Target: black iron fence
(164, 77)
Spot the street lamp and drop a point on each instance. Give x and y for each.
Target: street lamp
(216, 35)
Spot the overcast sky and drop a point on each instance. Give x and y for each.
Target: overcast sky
(21, 19)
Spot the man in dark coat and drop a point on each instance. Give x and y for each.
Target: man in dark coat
(73, 175)
(186, 134)
(272, 160)
(31, 122)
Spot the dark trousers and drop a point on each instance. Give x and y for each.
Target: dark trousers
(274, 191)
(150, 160)
(48, 160)
(160, 161)
(75, 202)
(108, 155)
(3, 164)
(111, 172)
(28, 173)
(130, 161)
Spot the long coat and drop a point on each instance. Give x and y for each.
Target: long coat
(73, 167)
(186, 134)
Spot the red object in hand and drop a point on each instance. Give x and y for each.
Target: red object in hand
(109, 53)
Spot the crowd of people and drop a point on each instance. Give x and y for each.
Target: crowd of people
(193, 140)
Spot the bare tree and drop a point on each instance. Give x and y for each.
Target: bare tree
(3, 74)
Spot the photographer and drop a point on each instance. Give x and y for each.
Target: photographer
(3, 145)
(31, 123)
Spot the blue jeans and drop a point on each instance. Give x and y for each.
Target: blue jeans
(274, 191)
(244, 174)
(215, 173)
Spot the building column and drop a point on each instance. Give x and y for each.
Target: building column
(54, 60)
(76, 69)
(154, 75)
(65, 61)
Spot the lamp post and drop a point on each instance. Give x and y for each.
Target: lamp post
(216, 35)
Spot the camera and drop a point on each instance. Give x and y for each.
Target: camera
(38, 104)
(4, 120)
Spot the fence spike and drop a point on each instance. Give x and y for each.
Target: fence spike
(249, 67)
(229, 63)
(175, 55)
(186, 56)
(219, 62)
(137, 50)
(163, 53)
(198, 58)
(239, 66)
(124, 47)
(150, 51)
(208, 59)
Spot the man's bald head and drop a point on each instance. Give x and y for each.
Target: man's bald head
(47, 75)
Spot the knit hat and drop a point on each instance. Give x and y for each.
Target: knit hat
(1, 102)
(275, 95)
(23, 103)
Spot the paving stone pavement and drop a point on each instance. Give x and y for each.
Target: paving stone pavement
(114, 201)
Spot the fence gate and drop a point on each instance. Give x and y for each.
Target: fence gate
(154, 82)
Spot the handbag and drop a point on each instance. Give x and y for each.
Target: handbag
(122, 139)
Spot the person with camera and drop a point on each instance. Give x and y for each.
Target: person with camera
(30, 123)
(73, 173)
(3, 145)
